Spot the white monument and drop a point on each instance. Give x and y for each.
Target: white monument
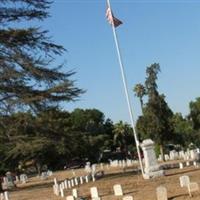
(152, 169)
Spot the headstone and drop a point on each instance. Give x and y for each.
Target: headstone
(193, 187)
(23, 178)
(70, 197)
(181, 165)
(66, 185)
(188, 163)
(118, 190)
(6, 196)
(81, 180)
(44, 175)
(9, 181)
(17, 179)
(184, 181)
(55, 181)
(86, 179)
(75, 193)
(69, 184)
(76, 181)
(72, 182)
(61, 192)
(152, 169)
(127, 198)
(94, 192)
(161, 193)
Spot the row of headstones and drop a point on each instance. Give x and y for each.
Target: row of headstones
(161, 191)
(188, 163)
(178, 155)
(122, 163)
(9, 182)
(95, 194)
(69, 183)
(4, 196)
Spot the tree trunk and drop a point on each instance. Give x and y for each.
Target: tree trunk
(38, 168)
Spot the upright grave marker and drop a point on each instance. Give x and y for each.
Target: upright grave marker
(161, 193)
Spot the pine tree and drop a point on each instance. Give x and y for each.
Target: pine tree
(29, 77)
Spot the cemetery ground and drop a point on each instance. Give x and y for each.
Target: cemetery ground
(132, 184)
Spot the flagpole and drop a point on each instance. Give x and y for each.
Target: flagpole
(126, 91)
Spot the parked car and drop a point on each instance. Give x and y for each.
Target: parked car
(75, 163)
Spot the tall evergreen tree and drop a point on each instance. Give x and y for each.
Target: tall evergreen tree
(29, 77)
(156, 120)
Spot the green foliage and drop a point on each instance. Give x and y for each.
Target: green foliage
(183, 131)
(155, 122)
(29, 77)
(195, 113)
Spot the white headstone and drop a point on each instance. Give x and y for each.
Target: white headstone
(94, 192)
(188, 163)
(75, 193)
(193, 187)
(61, 192)
(86, 179)
(81, 180)
(184, 181)
(76, 181)
(72, 182)
(66, 185)
(161, 193)
(69, 184)
(70, 197)
(6, 196)
(118, 190)
(181, 165)
(127, 198)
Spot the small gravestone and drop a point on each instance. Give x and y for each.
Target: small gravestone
(161, 193)
(9, 181)
(118, 190)
(70, 197)
(81, 180)
(184, 181)
(193, 187)
(76, 181)
(181, 165)
(72, 182)
(55, 181)
(65, 183)
(86, 179)
(127, 198)
(75, 193)
(94, 193)
(69, 183)
(61, 192)
(23, 178)
(6, 196)
(187, 163)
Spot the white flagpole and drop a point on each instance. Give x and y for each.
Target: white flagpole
(126, 92)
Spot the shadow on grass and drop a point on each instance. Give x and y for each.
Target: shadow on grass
(120, 174)
(182, 172)
(32, 187)
(176, 196)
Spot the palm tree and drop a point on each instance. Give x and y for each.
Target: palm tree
(121, 132)
(140, 91)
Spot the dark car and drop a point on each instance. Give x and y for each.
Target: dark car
(75, 163)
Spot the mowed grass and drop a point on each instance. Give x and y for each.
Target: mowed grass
(132, 184)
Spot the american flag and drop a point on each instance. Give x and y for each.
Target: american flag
(111, 19)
